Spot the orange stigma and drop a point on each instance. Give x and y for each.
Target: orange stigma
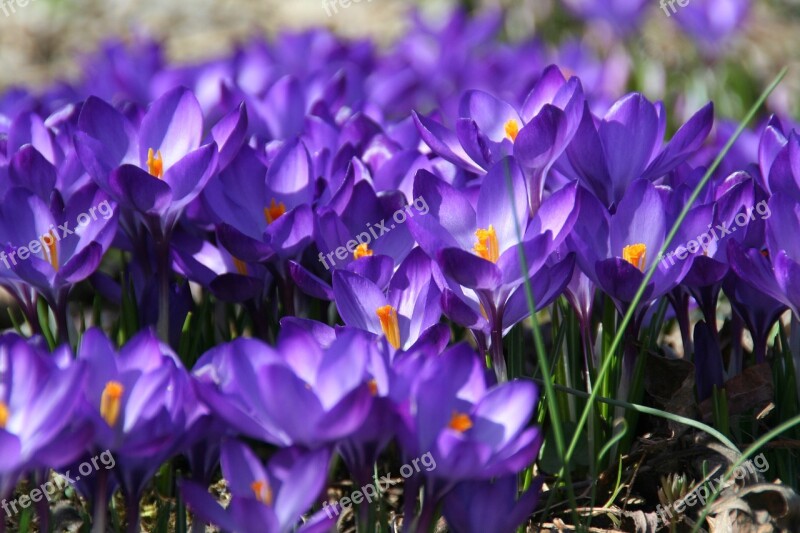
(274, 211)
(460, 422)
(110, 402)
(155, 164)
(635, 254)
(391, 328)
(4, 415)
(262, 491)
(373, 387)
(487, 245)
(512, 129)
(241, 266)
(362, 250)
(50, 240)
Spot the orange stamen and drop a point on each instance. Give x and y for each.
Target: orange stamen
(155, 164)
(274, 211)
(391, 328)
(460, 422)
(110, 403)
(262, 491)
(635, 254)
(362, 250)
(4, 415)
(241, 266)
(512, 129)
(50, 240)
(487, 246)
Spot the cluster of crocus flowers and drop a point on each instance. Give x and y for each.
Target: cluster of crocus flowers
(351, 236)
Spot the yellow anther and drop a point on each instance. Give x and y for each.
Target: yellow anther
(241, 266)
(262, 491)
(362, 250)
(50, 241)
(391, 328)
(111, 402)
(460, 422)
(155, 164)
(635, 254)
(4, 415)
(511, 128)
(274, 211)
(487, 245)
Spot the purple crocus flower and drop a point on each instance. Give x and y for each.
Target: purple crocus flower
(40, 413)
(142, 404)
(711, 22)
(265, 499)
(249, 384)
(470, 431)
(615, 251)
(51, 247)
(480, 506)
(477, 248)
(410, 307)
(487, 129)
(608, 154)
(624, 16)
(155, 171)
(264, 214)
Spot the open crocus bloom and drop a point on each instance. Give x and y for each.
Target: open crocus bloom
(461, 422)
(488, 128)
(616, 250)
(264, 212)
(68, 243)
(269, 499)
(249, 384)
(39, 409)
(477, 247)
(157, 170)
(410, 308)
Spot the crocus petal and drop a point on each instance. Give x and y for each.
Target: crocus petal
(229, 134)
(304, 482)
(687, 140)
(309, 283)
(469, 270)
(173, 125)
(621, 280)
(189, 175)
(543, 92)
(489, 113)
(502, 203)
(31, 170)
(445, 143)
(138, 190)
(357, 300)
(628, 133)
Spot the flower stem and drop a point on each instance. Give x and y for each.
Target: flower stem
(100, 503)
(164, 267)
